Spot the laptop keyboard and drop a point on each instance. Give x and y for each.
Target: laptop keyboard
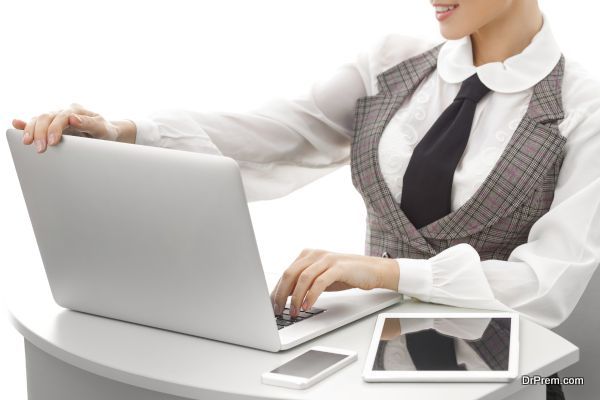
(285, 319)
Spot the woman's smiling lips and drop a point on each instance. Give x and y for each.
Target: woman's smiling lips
(443, 11)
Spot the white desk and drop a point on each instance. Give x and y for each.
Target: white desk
(75, 356)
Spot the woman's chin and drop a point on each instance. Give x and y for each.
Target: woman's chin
(451, 33)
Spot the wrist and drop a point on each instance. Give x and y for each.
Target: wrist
(126, 131)
(389, 273)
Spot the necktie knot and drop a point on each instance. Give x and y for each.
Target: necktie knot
(473, 89)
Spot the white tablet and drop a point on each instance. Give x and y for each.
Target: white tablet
(443, 347)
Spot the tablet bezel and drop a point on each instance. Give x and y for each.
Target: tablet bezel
(369, 375)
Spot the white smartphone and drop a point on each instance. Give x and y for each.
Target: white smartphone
(309, 367)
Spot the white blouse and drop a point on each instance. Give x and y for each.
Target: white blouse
(287, 143)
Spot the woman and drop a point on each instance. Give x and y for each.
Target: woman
(476, 160)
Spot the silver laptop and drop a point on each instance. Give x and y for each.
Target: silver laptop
(163, 238)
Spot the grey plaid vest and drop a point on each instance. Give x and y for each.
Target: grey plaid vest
(498, 217)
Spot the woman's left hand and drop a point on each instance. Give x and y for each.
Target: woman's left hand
(315, 271)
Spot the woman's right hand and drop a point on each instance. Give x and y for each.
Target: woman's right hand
(47, 129)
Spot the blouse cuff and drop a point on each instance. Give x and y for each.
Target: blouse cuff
(454, 277)
(415, 278)
(146, 132)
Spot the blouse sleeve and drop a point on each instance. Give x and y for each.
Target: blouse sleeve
(279, 146)
(544, 278)
(285, 143)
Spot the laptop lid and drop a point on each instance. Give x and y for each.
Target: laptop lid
(155, 236)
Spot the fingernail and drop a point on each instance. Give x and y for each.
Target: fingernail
(293, 310)
(27, 136)
(304, 305)
(39, 145)
(51, 138)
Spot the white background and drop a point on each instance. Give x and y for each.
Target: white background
(125, 59)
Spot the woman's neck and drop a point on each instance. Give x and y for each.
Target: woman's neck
(507, 35)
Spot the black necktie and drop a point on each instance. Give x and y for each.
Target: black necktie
(427, 182)
(426, 195)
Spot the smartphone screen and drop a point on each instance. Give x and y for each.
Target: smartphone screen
(309, 364)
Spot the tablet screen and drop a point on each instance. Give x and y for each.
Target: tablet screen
(444, 344)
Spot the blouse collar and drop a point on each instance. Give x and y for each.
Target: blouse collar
(515, 74)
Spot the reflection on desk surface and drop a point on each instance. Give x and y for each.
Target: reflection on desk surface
(444, 344)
